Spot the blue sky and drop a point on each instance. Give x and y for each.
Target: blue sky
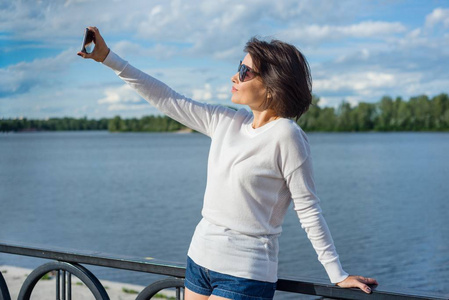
(357, 50)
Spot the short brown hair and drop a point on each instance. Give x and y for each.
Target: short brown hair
(286, 74)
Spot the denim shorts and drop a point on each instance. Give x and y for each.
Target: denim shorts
(206, 282)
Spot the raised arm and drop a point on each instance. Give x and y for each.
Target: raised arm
(198, 116)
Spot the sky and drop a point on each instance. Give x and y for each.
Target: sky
(358, 51)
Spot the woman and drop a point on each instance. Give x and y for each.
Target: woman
(258, 163)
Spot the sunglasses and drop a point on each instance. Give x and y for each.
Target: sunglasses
(246, 73)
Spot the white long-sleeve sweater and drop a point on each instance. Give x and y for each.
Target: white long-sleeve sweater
(252, 176)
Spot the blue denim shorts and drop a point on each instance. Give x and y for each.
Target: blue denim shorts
(206, 282)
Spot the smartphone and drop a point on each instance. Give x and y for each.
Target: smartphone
(88, 41)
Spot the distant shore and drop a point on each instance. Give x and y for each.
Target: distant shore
(45, 289)
(419, 114)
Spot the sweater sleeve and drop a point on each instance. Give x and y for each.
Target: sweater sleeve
(201, 117)
(306, 205)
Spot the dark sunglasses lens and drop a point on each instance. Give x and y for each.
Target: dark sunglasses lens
(243, 71)
(249, 75)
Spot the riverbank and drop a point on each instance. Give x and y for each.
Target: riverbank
(45, 289)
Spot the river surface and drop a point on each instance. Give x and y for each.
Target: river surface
(384, 197)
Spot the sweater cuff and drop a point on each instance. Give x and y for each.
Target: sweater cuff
(115, 62)
(335, 271)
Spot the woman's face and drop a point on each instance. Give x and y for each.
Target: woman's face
(252, 92)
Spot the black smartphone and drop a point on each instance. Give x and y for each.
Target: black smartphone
(88, 41)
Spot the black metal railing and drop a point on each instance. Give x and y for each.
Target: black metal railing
(67, 263)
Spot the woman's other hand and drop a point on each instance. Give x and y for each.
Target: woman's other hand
(100, 51)
(358, 282)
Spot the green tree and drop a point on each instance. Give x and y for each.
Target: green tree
(439, 109)
(344, 117)
(309, 120)
(116, 124)
(386, 113)
(364, 116)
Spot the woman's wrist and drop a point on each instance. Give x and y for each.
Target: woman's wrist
(107, 53)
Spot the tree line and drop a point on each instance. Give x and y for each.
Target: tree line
(52, 124)
(144, 124)
(116, 124)
(419, 113)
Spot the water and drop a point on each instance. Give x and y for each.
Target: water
(384, 196)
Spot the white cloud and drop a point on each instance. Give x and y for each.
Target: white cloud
(362, 82)
(324, 33)
(72, 2)
(438, 15)
(204, 94)
(363, 54)
(122, 94)
(218, 28)
(23, 76)
(212, 94)
(123, 99)
(336, 101)
(229, 54)
(223, 92)
(366, 86)
(158, 51)
(371, 29)
(156, 10)
(123, 107)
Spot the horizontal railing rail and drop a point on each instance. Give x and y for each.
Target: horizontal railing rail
(67, 263)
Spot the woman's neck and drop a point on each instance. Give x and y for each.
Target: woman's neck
(263, 117)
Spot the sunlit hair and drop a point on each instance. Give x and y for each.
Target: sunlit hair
(286, 74)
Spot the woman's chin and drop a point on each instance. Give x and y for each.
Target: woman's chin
(235, 101)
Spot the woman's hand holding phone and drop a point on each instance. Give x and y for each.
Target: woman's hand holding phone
(100, 51)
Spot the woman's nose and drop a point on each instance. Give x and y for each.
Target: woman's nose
(235, 77)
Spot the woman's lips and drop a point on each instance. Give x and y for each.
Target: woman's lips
(233, 90)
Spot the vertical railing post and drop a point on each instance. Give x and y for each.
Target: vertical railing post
(58, 286)
(4, 292)
(69, 286)
(63, 285)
